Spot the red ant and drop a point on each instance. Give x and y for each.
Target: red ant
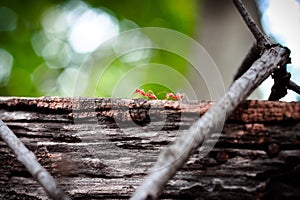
(139, 91)
(174, 97)
(150, 95)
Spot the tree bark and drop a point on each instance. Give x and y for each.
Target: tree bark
(103, 148)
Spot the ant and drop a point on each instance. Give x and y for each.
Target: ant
(151, 95)
(148, 94)
(174, 97)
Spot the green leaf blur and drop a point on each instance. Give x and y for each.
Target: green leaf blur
(38, 57)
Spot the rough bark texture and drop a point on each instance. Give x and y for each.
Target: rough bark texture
(102, 148)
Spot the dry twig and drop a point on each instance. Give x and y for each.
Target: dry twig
(281, 77)
(28, 159)
(175, 156)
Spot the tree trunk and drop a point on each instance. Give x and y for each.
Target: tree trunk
(103, 148)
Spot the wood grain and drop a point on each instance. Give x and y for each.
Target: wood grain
(102, 148)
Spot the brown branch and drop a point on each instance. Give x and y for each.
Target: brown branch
(175, 156)
(293, 86)
(28, 159)
(262, 39)
(95, 160)
(281, 76)
(251, 57)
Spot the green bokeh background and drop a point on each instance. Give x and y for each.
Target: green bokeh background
(30, 71)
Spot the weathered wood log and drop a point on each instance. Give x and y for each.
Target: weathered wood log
(103, 148)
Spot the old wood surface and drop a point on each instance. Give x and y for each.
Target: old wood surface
(103, 148)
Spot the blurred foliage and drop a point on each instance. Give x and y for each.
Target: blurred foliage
(37, 56)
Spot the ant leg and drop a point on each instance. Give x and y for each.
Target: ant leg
(170, 95)
(139, 91)
(150, 94)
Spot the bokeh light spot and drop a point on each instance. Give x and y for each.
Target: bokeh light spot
(6, 61)
(92, 28)
(8, 19)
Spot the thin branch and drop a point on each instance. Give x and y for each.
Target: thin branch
(251, 57)
(174, 157)
(293, 86)
(257, 33)
(281, 76)
(28, 159)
